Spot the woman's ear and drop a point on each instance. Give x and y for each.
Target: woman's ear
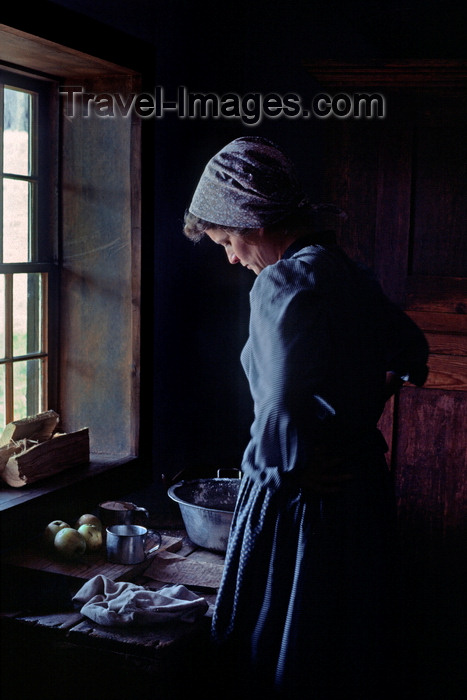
(256, 236)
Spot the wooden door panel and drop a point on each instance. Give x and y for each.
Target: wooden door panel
(437, 293)
(432, 471)
(447, 343)
(447, 338)
(434, 322)
(351, 183)
(403, 182)
(439, 199)
(449, 373)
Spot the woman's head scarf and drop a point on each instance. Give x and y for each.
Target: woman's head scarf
(249, 183)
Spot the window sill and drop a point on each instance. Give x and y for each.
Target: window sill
(99, 464)
(26, 510)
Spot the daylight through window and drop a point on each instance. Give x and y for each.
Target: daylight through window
(23, 279)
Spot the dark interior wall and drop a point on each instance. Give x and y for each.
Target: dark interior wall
(202, 405)
(195, 305)
(196, 405)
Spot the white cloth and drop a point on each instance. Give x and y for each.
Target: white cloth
(121, 604)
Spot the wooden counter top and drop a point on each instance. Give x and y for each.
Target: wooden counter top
(39, 625)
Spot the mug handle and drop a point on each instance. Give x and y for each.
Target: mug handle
(140, 509)
(157, 546)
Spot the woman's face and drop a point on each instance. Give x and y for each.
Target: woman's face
(254, 253)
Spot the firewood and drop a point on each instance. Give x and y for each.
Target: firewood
(28, 460)
(39, 427)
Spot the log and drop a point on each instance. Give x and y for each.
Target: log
(24, 463)
(40, 427)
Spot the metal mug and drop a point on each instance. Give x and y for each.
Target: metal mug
(122, 513)
(126, 544)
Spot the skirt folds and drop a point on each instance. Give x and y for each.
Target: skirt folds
(305, 602)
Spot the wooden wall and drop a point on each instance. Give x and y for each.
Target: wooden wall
(402, 181)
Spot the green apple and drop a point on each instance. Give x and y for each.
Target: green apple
(89, 519)
(92, 535)
(69, 543)
(52, 529)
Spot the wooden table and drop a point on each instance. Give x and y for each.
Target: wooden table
(50, 649)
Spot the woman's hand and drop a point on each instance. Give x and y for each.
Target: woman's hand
(392, 386)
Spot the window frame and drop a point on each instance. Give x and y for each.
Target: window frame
(44, 208)
(128, 468)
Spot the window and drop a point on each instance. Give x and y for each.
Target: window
(80, 352)
(26, 270)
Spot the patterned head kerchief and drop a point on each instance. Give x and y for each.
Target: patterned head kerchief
(249, 183)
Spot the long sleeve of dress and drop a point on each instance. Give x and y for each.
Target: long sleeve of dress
(322, 337)
(407, 348)
(286, 362)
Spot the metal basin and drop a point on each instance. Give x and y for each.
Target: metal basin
(207, 507)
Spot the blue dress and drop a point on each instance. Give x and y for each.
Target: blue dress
(304, 600)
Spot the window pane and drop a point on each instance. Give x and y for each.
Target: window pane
(16, 134)
(16, 220)
(27, 387)
(19, 390)
(2, 316)
(2, 397)
(27, 317)
(23, 295)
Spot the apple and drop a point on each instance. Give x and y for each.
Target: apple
(52, 529)
(92, 535)
(70, 543)
(89, 519)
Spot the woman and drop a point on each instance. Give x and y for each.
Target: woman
(304, 603)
